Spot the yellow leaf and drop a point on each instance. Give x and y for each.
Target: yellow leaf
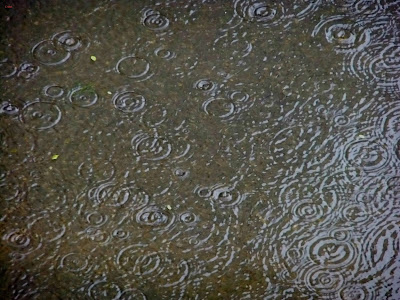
(169, 207)
(55, 156)
(93, 58)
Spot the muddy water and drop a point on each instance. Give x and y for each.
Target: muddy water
(200, 149)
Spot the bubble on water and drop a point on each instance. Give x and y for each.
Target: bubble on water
(83, 96)
(205, 85)
(41, 115)
(6, 108)
(134, 67)
(71, 41)
(120, 234)
(226, 196)
(27, 70)
(188, 218)
(129, 101)
(181, 174)
(49, 53)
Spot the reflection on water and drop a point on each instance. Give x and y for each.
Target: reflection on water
(212, 149)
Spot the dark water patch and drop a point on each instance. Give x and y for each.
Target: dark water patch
(200, 149)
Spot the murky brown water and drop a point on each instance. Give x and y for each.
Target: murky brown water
(200, 149)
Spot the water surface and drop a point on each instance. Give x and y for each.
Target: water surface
(200, 149)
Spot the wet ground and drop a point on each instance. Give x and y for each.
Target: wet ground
(200, 149)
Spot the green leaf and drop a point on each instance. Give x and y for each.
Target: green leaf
(55, 156)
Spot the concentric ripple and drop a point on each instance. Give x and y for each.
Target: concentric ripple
(21, 243)
(27, 70)
(332, 253)
(83, 96)
(129, 102)
(323, 281)
(155, 21)
(101, 289)
(17, 239)
(6, 108)
(164, 53)
(263, 13)
(153, 266)
(112, 195)
(347, 37)
(219, 107)
(378, 63)
(134, 67)
(380, 250)
(74, 262)
(312, 210)
(150, 147)
(71, 41)
(300, 9)
(156, 218)
(48, 227)
(351, 292)
(41, 115)
(292, 144)
(368, 8)
(53, 91)
(50, 53)
(223, 195)
(371, 155)
(205, 85)
(155, 115)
